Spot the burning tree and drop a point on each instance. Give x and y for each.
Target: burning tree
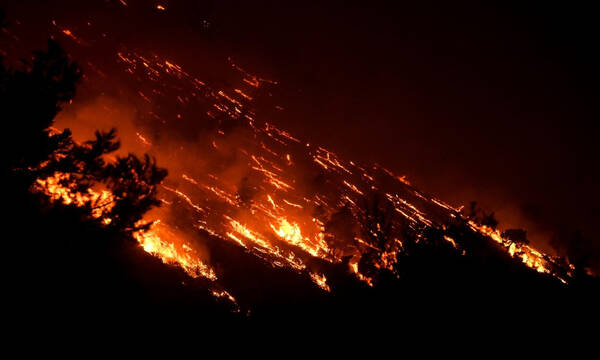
(516, 236)
(133, 184)
(71, 206)
(80, 209)
(32, 96)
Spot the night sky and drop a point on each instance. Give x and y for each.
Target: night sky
(494, 103)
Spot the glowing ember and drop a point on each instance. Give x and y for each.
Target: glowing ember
(224, 294)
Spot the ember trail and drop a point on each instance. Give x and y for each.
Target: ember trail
(286, 190)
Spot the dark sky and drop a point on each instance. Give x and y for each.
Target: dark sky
(495, 103)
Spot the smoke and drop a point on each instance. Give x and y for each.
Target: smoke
(184, 155)
(101, 113)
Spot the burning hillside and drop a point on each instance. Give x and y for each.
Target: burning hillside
(237, 179)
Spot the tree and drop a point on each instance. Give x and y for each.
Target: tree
(30, 98)
(376, 219)
(478, 215)
(340, 231)
(133, 184)
(517, 236)
(581, 252)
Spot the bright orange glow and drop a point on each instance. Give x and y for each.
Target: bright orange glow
(59, 187)
(292, 234)
(530, 257)
(160, 242)
(354, 269)
(320, 280)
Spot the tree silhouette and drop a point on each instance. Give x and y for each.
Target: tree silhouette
(30, 98)
(517, 236)
(480, 216)
(376, 219)
(340, 231)
(133, 184)
(580, 251)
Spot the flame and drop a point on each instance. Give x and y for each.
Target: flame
(292, 234)
(354, 269)
(159, 242)
(451, 241)
(280, 257)
(225, 294)
(320, 280)
(59, 187)
(528, 255)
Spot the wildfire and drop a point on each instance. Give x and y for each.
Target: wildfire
(530, 257)
(258, 198)
(279, 255)
(159, 242)
(59, 187)
(292, 234)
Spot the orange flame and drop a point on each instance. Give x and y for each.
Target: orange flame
(159, 242)
(530, 257)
